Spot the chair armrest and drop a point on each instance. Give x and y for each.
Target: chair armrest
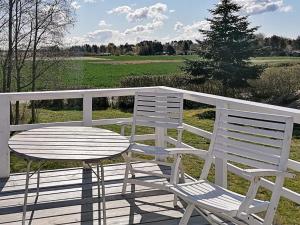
(197, 152)
(267, 173)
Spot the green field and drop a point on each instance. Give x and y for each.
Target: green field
(107, 71)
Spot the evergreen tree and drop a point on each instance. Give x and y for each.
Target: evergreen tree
(226, 49)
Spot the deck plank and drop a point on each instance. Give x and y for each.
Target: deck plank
(69, 196)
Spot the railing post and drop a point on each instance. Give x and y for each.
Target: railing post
(160, 140)
(221, 172)
(87, 110)
(87, 114)
(4, 136)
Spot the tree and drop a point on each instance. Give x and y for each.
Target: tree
(95, 49)
(170, 50)
(102, 49)
(226, 49)
(296, 43)
(51, 19)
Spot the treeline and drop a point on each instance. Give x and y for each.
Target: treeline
(267, 46)
(183, 47)
(277, 46)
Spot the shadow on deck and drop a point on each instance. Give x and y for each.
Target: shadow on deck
(69, 196)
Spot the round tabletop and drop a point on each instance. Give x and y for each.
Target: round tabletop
(68, 143)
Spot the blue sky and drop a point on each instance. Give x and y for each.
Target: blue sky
(121, 21)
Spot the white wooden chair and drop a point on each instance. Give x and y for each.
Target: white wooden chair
(260, 142)
(156, 110)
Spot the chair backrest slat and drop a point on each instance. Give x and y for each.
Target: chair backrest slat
(253, 139)
(155, 109)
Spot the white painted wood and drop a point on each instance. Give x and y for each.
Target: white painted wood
(189, 95)
(237, 104)
(87, 110)
(4, 136)
(219, 200)
(72, 143)
(152, 109)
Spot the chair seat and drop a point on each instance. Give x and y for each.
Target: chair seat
(149, 150)
(215, 198)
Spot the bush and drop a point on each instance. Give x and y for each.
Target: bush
(277, 85)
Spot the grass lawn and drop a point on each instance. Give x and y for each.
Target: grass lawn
(288, 212)
(107, 71)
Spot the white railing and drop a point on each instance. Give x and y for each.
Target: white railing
(160, 139)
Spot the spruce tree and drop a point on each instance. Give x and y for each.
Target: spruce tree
(226, 48)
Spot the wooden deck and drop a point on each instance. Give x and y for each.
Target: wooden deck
(69, 196)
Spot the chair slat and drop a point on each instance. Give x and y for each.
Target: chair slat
(245, 161)
(252, 130)
(255, 123)
(247, 146)
(252, 154)
(250, 138)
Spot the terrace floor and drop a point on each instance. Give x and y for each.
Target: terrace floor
(69, 196)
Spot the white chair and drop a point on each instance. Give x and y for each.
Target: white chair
(259, 142)
(156, 110)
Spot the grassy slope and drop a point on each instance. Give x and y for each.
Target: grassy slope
(288, 212)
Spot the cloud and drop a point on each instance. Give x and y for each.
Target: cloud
(75, 5)
(148, 28)
(178, 26)
(191, 31)
(155, 12)
(252, 7)
(172, 10)
(103, 23)
(120, 10)
(89, 1)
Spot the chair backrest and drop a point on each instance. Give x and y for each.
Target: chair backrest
(155, 109)
(253, 139)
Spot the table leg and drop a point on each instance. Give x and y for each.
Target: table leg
(26, 192)
(99, 203)
(103, 194)
(38, 181)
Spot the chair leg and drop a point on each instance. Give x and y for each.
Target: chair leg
(187, 214)
(182, 172)
(26, 192)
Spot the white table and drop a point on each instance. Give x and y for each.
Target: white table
(86, 144)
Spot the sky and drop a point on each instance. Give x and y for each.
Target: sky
(132, 21)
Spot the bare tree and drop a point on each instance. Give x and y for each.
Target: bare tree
(22, 43)
(7, 26)
(51, 19)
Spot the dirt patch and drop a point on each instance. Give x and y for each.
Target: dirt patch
(137, 62)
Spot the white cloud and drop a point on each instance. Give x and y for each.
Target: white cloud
(120, 10)
(148, 28)
(75, 5)
(172, 10)
(178, 26)
(155, 12)
(103, 23)
(261, 6)
(190, 32)
(89, 1)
